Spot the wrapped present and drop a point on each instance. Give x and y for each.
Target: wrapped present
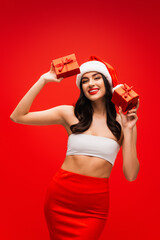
(66, 66)
(125, 97)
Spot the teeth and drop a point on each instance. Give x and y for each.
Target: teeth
(94, 90)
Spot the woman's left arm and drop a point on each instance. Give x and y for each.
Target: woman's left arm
(130, 161)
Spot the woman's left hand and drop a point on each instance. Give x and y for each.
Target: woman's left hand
(129, 119)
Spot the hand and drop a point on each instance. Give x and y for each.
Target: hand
(51, 75)
(129, 119)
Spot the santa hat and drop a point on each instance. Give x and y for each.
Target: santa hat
(96, 64)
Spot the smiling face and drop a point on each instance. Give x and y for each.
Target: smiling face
(93, 85)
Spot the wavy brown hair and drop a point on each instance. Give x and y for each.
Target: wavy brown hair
(83, 111)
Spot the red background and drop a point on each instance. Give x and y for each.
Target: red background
(124, 34)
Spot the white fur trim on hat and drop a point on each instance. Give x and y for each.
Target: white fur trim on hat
(93, 66)
(119, 85)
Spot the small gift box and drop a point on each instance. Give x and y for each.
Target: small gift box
(66, 66)
(124, 96)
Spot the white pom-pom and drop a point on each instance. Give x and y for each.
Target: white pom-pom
(116, 87)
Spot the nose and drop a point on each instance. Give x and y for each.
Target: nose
(91, 82)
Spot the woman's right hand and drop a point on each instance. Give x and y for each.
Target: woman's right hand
(51, 76)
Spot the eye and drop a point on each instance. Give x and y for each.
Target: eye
(84, 81)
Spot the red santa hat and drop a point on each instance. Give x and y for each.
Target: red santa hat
(96, 64)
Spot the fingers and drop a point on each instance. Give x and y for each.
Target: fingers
(60, 79)
(120, 109)
(134, 110)
(52, 67)
(137, 104)
(131, 111)
(131, 114)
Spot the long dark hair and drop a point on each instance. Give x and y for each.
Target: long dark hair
(83, 111)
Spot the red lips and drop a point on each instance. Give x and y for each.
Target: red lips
(93, 89)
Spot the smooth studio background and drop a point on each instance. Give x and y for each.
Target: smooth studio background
(124, 34)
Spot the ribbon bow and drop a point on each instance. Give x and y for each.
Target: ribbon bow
(61, 65)
(127, 91)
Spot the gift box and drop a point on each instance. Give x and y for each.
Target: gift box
(125, 97)
(66, 66)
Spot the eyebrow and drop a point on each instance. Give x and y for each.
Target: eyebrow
(87, 77)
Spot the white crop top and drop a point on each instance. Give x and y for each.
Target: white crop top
(87, 144)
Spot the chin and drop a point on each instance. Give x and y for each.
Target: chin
(93, 99)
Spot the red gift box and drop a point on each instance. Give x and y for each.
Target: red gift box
(66, 66)
(125, 97)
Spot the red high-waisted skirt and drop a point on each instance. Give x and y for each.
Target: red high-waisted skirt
(76, 206)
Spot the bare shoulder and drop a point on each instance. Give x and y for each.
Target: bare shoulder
(69, 118)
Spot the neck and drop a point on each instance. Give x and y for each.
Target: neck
(99, 108)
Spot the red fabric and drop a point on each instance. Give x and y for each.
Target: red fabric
(111, 70)
(76, 206)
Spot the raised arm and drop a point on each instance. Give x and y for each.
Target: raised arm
(50, 116)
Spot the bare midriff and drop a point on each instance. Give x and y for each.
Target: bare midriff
(87, 165)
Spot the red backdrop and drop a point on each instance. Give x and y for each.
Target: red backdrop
(124, 34)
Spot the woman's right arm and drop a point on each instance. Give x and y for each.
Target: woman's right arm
(50, 116)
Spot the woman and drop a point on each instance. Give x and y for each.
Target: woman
(77, 200)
